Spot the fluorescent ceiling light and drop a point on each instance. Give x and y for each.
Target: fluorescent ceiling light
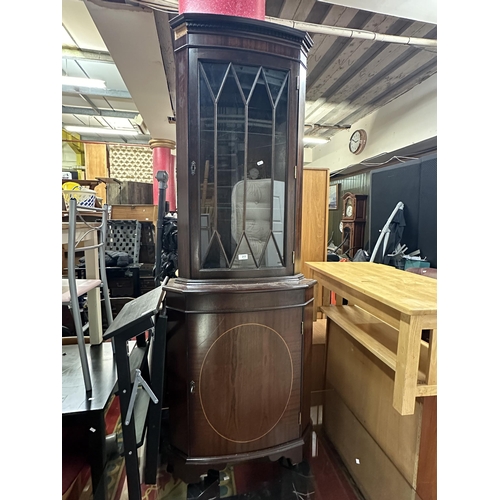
(99, 130)
(83, 82)
(315, 140)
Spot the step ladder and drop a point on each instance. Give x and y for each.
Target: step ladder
(140, 382)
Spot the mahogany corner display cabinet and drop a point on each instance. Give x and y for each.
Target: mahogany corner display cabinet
(239, 317)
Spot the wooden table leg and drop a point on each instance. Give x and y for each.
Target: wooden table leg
(408, 353)
(93, 296)
(432, 365)
(318, 302)
(322, 296)
(326, 300)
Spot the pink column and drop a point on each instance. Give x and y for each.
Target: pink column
(255, 9)
(163, 159)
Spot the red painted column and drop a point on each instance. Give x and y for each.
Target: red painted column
(255, 9)
(163, 159)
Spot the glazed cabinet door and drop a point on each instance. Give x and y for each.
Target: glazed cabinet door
(245, 381)
(242, 156)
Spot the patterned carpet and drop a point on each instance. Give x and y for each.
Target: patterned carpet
(166, 487)
(256, 482)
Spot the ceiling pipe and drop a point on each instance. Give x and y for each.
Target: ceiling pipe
(172, 6)
(316, 126)
(353, 33)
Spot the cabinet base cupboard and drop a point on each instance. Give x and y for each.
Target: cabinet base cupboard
(238, 371)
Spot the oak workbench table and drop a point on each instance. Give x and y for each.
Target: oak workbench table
(387, 310)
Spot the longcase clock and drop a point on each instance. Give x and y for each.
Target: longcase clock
(353, 222)
(240, 317)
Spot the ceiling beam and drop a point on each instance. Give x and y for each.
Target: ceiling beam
(108, 113)
(73, 89)
(131, 37)
(91, 55)
(89, 102)
(167, 51)
(138, 139)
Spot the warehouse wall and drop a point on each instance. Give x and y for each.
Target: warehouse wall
(407, 120)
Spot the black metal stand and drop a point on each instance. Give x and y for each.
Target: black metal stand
(162, 177)
(140, 386)
(155, 412)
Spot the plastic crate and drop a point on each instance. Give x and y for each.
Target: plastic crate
(85, 198)
(416, 263)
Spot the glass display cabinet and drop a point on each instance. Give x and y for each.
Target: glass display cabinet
(243, 118)
(240, 318)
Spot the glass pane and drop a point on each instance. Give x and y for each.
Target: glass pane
(259, 168)
(243, 113)
(215, 257)
(252, 216)
(246, 76)
(275, 249)
(275, 80)
(260, 132)
(244, 258)
(281, 134)
(280, 163)
(230, 155)
(207, 208)
(215, 73)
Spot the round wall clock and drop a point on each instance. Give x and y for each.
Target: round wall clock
(357, 141)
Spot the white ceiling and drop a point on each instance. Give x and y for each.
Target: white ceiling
(86, 55)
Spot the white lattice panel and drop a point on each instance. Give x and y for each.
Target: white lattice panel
(131, 163)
